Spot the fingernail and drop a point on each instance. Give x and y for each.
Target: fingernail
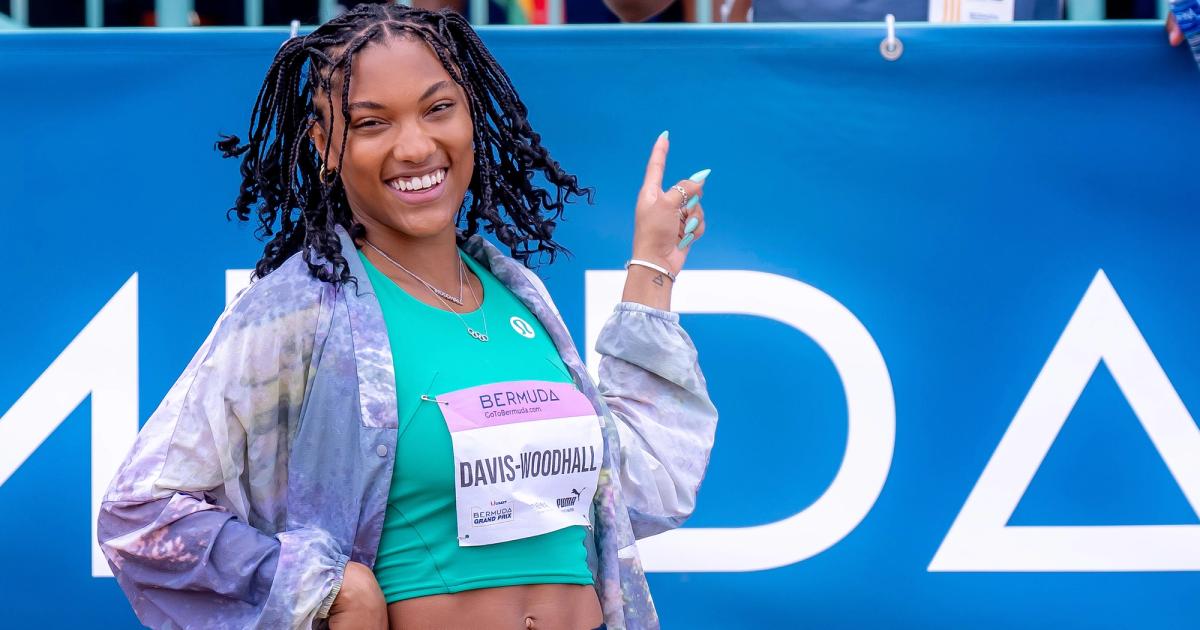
(691, 225)
(692, 203)
(700, 175)
(687, 239)
(663, 135)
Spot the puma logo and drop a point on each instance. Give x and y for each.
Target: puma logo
(567, 502)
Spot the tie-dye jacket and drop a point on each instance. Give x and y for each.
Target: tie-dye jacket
(266, 466)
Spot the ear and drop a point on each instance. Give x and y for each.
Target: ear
(316, 133)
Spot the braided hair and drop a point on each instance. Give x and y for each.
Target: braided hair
(299, 209)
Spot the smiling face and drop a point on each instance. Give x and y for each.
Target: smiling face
(408, 156)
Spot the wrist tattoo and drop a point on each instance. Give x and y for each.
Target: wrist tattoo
(658, 279)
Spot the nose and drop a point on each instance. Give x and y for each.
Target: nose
(413, 145)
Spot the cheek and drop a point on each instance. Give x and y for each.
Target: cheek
(464, 131)
(363, 158)
(466, 150)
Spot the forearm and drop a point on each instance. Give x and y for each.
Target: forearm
(647, 286)
(180, 559)
(651, 381)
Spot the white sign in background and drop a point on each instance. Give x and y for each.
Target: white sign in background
(102, 361)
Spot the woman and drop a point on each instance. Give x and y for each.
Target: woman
(383, 429)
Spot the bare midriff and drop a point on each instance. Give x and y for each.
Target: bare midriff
(521, 607)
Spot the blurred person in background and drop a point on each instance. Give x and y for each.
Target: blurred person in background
(847, 10)
(1174, 35)
(574, 11)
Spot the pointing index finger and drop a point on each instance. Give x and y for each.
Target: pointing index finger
(657, 164)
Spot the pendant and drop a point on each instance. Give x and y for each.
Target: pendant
(476, 334)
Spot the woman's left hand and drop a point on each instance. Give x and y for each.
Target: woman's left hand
(664, 229)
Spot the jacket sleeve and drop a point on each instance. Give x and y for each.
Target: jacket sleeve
(650, 379)
(191, 525)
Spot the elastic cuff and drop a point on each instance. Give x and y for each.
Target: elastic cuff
(638, 307)
(337, 588)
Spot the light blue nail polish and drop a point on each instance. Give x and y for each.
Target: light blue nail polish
(664, 135)
(691, 225)
(692, 204)
(687, 239)
(700, 176)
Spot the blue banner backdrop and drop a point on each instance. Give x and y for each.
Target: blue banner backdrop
(893, 246)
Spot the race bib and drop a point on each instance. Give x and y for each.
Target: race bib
(527, 456)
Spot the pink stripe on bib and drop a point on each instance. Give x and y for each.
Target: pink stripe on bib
(511, 402)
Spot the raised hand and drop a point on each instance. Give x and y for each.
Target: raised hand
(664, 226)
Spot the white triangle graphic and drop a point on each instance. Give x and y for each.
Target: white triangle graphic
(1101, 329)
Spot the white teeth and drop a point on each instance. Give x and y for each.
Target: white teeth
(419, 183)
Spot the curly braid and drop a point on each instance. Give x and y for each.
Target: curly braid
(299, 210)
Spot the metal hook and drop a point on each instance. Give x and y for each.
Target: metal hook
(428, 399)
(891, 47)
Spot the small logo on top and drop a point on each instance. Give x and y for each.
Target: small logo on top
(522, 327)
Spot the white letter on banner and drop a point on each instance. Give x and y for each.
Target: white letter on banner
(869, 401)
(102, 361)
(980, 539)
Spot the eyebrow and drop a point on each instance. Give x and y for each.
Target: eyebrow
(365, 105)
(434, 88)
(430, 91)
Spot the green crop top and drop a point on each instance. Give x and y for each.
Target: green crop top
(418, 552)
